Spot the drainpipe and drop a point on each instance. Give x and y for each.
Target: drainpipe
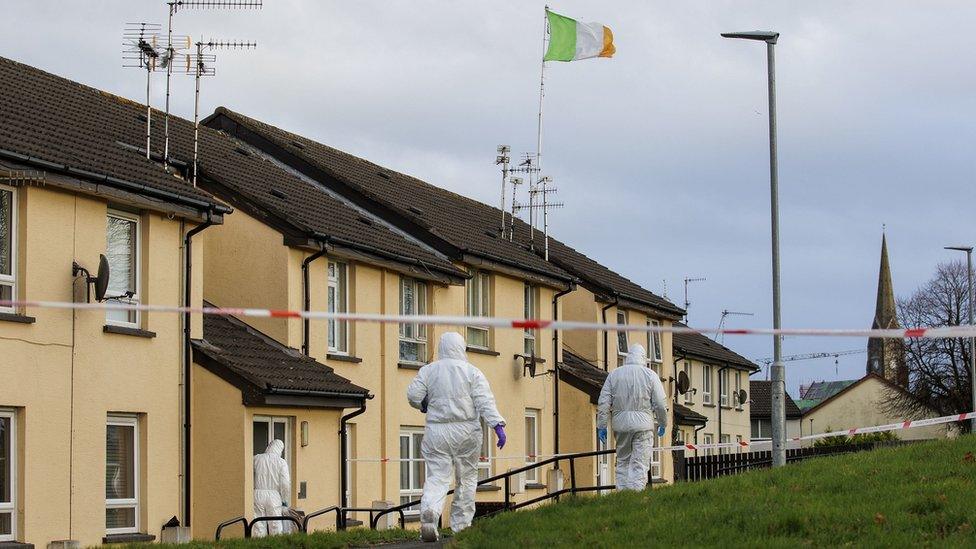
(188, 361)
(307, 299)
(555, 370)
(603, 314)
(343, 464)
(696, 436)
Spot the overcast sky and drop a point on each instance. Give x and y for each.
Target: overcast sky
(660, 153)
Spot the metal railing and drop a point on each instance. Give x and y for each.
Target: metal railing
(376, 513)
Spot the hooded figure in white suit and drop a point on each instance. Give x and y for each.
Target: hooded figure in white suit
(633, 394)
(272, 488)
(455, 396)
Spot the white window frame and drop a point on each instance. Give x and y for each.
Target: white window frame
(10, 280)
(271, 421)
(656, 455)
(11, 506)
(419, 330)
(724, 439)
(128, 503)
(530, 310)
(533, 414)
(708, 438)
(690, 394)
(707, 384)
(338, 331)
(655, 352)
(136, 264)
(723, 387)
(416, 489)
(622, 336)
(479, 286)
(485, 454)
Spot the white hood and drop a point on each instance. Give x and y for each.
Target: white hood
(452, 346)
(275, 448)
(636, 355)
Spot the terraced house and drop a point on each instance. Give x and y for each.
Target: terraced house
(91, 403)
(467, 231)
(713, 409)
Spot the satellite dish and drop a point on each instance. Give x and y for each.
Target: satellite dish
(683, 382)
(101, 281)
(742, 396)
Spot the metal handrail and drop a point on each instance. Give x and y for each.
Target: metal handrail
(273, 519)
(507, 476)
(319, 513)
(222, 525)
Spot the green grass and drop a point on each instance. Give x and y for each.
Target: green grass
(918, 495)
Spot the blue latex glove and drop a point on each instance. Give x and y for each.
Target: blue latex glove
(601, 434)
(660, 431)
(500, 433)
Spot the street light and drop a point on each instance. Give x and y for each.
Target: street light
(778, 371)
(972, 340)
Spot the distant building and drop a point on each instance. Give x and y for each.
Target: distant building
(761, 411)
(886, 357)
(818, 391)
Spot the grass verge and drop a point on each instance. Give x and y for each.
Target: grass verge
(918, 495)
(357, 537)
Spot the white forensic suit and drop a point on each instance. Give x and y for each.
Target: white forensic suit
(272, 488)
(632, 393)
(456, 396)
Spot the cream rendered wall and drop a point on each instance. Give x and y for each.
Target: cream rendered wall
(862, 406)
(735, 420)
(67, 381)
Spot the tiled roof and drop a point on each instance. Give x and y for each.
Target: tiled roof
(467, 224)
(686, 416)
(582, 375)
(761, 401)
(263, 363)
(701, 346)
(820, 391)
(62, 121)
(55, 120)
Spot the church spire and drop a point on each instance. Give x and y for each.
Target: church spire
(885, 313)
(886, 357)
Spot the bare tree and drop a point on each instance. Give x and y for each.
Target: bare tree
(938, 369)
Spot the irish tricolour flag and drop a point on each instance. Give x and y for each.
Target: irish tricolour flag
(571, 40)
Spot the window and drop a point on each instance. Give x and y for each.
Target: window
(709, 439)
(122, 475)
(689, 395)
(484, 459)
(762, 429)
(738, 387)
(655, 353)
(530, 310)
(621, 336)
(122, 251)
(8, 248)
(8, 476)
(706, 384)
(531, 443)
(738, 441)
(413, 335)
(656, 455)
(479, 304)
(724, 439)
(267, 428)
(338, 303)
(723, 386)
(412, 470)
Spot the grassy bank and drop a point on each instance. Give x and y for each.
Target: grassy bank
(358, 537)
(899, 497)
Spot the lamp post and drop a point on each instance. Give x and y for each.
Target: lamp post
(778, 371)
(972, 340)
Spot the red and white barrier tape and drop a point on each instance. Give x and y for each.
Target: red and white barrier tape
(493, 322)
(907, 424)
